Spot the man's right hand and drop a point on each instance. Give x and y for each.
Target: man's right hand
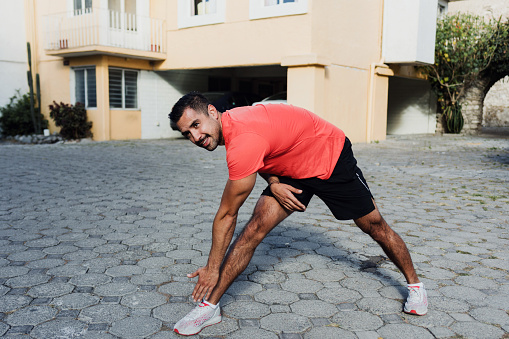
(207, 280)
(284, 194)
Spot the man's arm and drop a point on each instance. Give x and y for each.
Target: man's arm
(284, 193)
(234, 195)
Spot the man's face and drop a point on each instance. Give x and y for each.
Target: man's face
(203, 130)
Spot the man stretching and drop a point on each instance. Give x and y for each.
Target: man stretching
(299, 155)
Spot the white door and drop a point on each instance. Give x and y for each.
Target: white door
(411, 107)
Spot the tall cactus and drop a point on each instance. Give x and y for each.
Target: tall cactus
(35, 118)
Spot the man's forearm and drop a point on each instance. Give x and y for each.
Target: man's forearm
(222, 234)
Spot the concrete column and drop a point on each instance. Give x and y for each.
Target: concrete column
(306, 81)
(103, 131)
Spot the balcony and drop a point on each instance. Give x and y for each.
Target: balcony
(101, 31)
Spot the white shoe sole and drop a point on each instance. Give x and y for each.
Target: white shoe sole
(210, 322)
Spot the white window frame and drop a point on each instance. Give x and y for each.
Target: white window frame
(187, 19)
(123, 108)
(74, 12)
(258, 9)
(73, 85)
(442, 4)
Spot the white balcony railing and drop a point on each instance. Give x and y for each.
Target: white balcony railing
(104, 28)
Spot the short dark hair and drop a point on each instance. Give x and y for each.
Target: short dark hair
(194, 100)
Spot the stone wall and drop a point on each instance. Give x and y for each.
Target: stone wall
(496, 102)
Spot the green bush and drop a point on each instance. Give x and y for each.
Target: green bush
(71, 119)
(16, 118)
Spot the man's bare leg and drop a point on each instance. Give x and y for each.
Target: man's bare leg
(267, 214)
(392, 244)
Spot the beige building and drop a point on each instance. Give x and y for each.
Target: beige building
(350, 62)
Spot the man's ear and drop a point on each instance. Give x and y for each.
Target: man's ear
(213, 111)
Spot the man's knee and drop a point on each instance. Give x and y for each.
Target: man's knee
(374, 225)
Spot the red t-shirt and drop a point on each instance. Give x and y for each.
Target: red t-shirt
(280, 139)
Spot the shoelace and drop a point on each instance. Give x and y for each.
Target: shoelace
(414, 295)
(196, 310)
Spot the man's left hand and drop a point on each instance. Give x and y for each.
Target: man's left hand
(207, 280)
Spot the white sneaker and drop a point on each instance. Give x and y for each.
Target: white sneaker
(200, 317)
(417, 301)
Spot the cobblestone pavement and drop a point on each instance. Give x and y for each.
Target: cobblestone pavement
(96, 239)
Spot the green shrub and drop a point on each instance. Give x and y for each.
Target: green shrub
(71, 119)
(16, 118)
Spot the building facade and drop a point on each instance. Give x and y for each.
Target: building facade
(128, 61)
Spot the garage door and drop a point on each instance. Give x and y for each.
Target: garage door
(411, 107)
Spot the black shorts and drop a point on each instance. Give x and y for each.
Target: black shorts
(346, 192)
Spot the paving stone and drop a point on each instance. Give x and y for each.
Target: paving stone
(50, 290)
(252, 333)
(143, 300)
(476, 330)
(468, 294)
(285, 322)
(115, 289)
(9, 303)
(110, 248)
(124, 270)
(75, 301)
(338, 295)
(150, 279)
(243, 309)
(156, 262)
(244, 288)
(27, 255)
(490, 316)
(314, 308)
(45, 263)
(90, 279)
(403, 331)
(103, 313)
(4, 289)
(25, 329)
(135, 327)
(357, 321)
(302, 286)
(432, 318)
(276, 297)
(177, 288)
(292, 267)
(380, 305)
(3, 328)
(67, 271)
(31, 315)
(42, 242)
(27, 280)
(329, 332)
(448, 304)
(267, 277)
(441, 332)
(324, 275)
(9, 271)
(498, 301)
(59, 328)
(173, 312)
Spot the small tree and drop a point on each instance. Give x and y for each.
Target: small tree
(71, 119)
(465, 47)
(16, 117)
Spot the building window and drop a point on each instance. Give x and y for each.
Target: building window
(442, 9)
(259, 9)
(84, 86)
(123, 85)
(277, 2)
(202, 7)
(200, 12)
(82, 7)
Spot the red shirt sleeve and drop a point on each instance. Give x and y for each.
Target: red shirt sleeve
(245, 155)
